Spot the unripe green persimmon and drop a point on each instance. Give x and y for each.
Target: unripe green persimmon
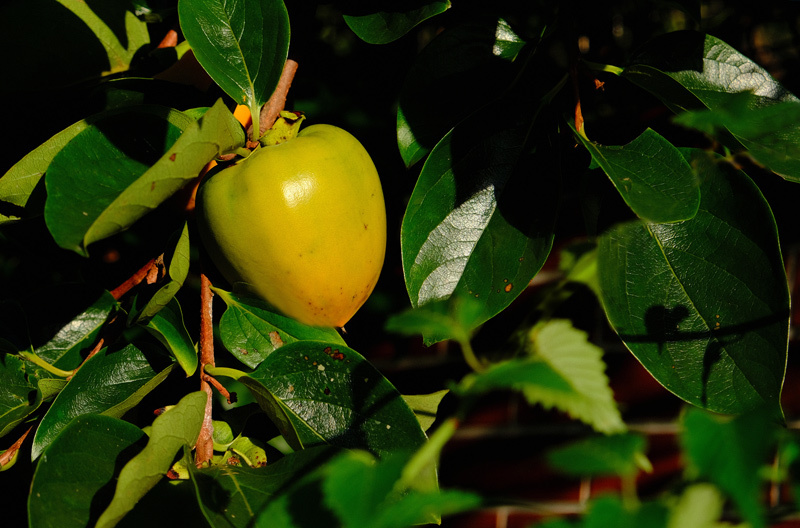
(303, 223)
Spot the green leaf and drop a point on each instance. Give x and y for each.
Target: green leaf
(134, 170)
(454, 317)
(480, 219)
(168, 327)
(651, 175)
(324, 393)
(731, 453)
(700, 505)
(704, 304)
(568, 351)
(425, 406)
(232, 496)
(381, 27)
(176, 263)
(251, 332)
(612, 511)
(693, 71)
(463, 64)
(242, 45)
(20, 396)
(65, 349)
(170, 432)
(79, 469)
(110, 383)
(618, 455)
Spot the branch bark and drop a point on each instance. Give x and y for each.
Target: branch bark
(204, 450)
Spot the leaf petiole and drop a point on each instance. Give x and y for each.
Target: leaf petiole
(36, 360)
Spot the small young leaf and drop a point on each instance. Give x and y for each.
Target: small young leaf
(251, 331)
(463, 64)
(325, 393)
(730, 453)
(651, 175)
(78, 471)
(617, 455)
(168, 327)
(382, 27)
(110, 383)
(171, 431)
(704, 304)
(20, 396)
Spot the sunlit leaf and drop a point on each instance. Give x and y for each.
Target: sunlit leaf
(168, 327)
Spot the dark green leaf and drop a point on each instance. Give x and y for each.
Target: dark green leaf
(251, 332)
(65, 349)
(612, 511)
(617, 455)
(703, 304)
(693, 71)
(242, 45)
(20, 395)
(461, 65)
(480, 219)
(232, 496)
(77, 473)
(108, 383)
(325, 393)
(168, 327)
(651, 175)
(170, 432)
(138, 162)
(454, 317)
(381, 27)
(731, 453)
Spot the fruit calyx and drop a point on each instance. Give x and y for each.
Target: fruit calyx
(286, 127)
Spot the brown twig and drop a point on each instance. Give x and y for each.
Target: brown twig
(8, 455)
(136, 278)
(276, 103)
(204, 450)
(170, 40)
(231, 397)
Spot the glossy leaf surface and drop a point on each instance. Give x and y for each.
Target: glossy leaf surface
(479, 221)
(463, 64)
(378, 26)
(251, 331)
(703, 304)
(170, 432)
(138, 161)
(78, 470)
(692, 71)
(242, 45)
(651, 175)
(110, 382)
(324, 393)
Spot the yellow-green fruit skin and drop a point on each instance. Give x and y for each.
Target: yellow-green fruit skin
(303, 223)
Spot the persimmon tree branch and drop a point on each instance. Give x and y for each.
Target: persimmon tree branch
(8, 455)
(204, 450)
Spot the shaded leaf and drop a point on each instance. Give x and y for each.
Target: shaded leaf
(381, 27)
(168, 327)
(651, 175)
(20, 396)
(251, 331)
(139, 163)
(704, 304)
(324, 393)
(425, 406)
(110, 383)
(617, 455)
(78, 471)
(474, 223)
(693, 71)
(463, 64)
(730, 453)
(170, 432)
